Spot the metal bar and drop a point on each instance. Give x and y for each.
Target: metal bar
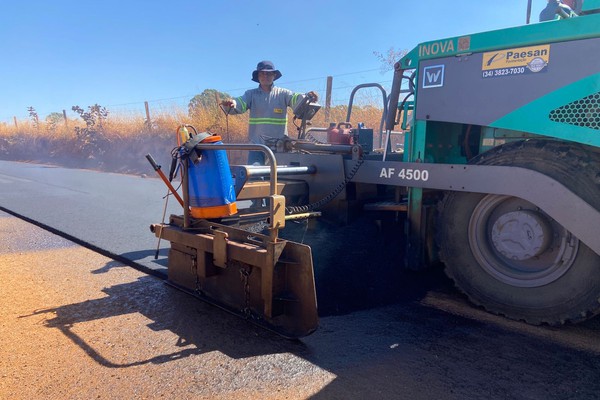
(260, 170)
(316, 147)
(554, 198)
(368, 85)
(293, 217)
(186, 194)
(394, 98)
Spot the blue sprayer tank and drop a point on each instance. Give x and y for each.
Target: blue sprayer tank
(210, 185)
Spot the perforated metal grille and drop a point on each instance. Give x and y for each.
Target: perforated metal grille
(584, 112)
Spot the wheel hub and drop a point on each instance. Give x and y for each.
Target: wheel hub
(517, 244)
(521, 235)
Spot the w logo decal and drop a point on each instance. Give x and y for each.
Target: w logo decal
(433, 76)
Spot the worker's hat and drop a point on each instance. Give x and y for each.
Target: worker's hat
(266, 66)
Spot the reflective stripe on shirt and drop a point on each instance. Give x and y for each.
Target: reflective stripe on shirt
(268, 121)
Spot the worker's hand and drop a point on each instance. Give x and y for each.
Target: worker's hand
(228, 103)
(313, 96)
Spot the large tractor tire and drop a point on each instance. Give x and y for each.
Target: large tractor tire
(510, 257)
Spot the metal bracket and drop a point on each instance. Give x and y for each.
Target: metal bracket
(277, 209)
(220, 249)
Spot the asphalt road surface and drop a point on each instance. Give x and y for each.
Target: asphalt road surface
(78, 324)
(111, 212)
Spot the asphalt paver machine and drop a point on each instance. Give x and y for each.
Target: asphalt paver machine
(497, 178)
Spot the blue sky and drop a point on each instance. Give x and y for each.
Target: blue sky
(57, 54)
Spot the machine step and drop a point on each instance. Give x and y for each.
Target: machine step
(386, 206)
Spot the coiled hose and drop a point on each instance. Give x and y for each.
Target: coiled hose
(330, 196)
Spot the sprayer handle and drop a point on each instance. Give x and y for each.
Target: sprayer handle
(152, 162)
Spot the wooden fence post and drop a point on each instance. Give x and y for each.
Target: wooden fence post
(328, 98)
(148, 122)
(16, 125)
(66, 120)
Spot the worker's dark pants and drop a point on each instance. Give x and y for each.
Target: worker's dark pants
(256, 157)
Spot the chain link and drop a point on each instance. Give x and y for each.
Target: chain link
(194, 270)
(258, 227)
(329, 197)
(245, 272)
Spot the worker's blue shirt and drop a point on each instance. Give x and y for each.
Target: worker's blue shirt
(551, 12)
(268, 111)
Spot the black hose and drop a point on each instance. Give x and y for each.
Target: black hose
(329, 197)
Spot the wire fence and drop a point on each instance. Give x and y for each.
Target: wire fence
(343, 85)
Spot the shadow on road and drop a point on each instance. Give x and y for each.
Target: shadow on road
(142, 260)
(199, 327)
(404, 350)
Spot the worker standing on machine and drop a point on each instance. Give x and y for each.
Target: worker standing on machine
(575, 5)
(556, 9)
(268, 107)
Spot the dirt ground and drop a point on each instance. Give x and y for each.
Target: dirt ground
(77, 325)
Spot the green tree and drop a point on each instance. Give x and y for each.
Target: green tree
(205, 101)
(54, 118)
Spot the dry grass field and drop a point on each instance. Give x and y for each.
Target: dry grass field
(111, 142)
